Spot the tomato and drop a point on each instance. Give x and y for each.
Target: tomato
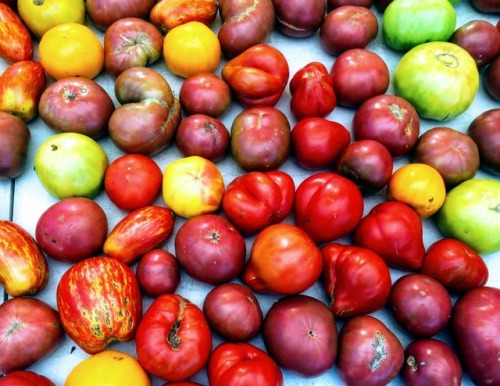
(283, 260)
(132, 181)
(257, 76)
(242, 364)
(108, 368)
(257, 199)
(356, 280)
(447, 64)
(492, 79)
(25, 378)
(16, 137)
(191, 48)
(174, 340)
(318, 142)
(312, 92)
(299, 18)
(485, 131)
(418, 185)
(71, 49)
(158, 272)
(394, 231)
(15, 40)
(99, 302)
(167, 15)
(327, 206)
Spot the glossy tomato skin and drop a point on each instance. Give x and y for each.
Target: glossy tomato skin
(395, 232)
(158, 272)
(283, 260)
(107, 289)
(25, 378)
(356, 280)
(327, 206)
(255, 200)
(492, 78)
(312, 92)
(298, 18)
(485, 131)
(173, 340)
(455, 265)
(17, 44)
(317, 142)
(242, 364)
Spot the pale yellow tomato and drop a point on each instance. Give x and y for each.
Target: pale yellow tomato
(418, 185)
(192, 186)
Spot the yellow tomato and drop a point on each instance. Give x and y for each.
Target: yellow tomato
(191, 48)
(40, 16)
(71, 49)
(108, 368)
(418, 185)
(192, 186)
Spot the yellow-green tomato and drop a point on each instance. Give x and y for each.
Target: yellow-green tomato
(71, 165)
(192, 186)
(41, 15)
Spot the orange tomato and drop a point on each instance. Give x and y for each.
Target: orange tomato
(418, 185)
(71, 49)
(191, 48)
(108, 368)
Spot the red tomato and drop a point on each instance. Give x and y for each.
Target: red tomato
(15, 40)
(357, 280)
(242, 364)
(132, 181)
(327, 206)
(312, 92)
(394, 231)
(317, 142)
(455, 265)
(25, 378)
(173, 340)
(255, 200)
(283, 260)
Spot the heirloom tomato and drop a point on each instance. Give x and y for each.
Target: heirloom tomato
(174, 340)
(256, 199)
(25, 378)
(299, 18)
(158, 272)
(15, 137)
(485, 131)
(167, 15)
(15, 40)
(71, 49)
(242, 364)
(327, 206)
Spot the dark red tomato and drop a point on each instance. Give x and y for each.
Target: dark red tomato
(338, 3)
(242, 364)
(492, 78)
(299, 18)
(486, 6)
(25, 378)
(255, 200)
(369, 353)
(367, 163)
(394, 231)
(485, 131)
(359, 74)
(133, 181)
(173, 340)
(317, 142)
(356, 279)
(429, 361)
(390, 120)
(420, 304)
(312, 92)
(327, 206)
(158, 272)
(455, 265)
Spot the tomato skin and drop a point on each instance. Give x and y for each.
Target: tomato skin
(356, 279)
(394, 231)
(312, 92)
(173, 340)
(327, 206)
(25, 378)
(255, 200)
(242, 364)
(16, 43)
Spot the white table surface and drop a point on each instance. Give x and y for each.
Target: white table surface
(30, 199)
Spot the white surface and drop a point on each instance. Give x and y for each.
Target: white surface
(31, 199)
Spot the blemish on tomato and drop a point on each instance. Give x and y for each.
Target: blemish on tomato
(380, 351)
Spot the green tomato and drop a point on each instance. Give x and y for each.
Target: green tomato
(471, 214)
(440, 79)
(408, 23)
(71, 165)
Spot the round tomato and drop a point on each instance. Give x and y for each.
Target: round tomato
(418, 185)
(71, 49)
(173, 341)
(191, 48)
(132, 181)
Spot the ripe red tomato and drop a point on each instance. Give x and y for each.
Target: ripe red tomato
(327, 206)
(173, 340)
(242, 364)
(132, 181)
(158, 272)
(357, 280)
(25, 378)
